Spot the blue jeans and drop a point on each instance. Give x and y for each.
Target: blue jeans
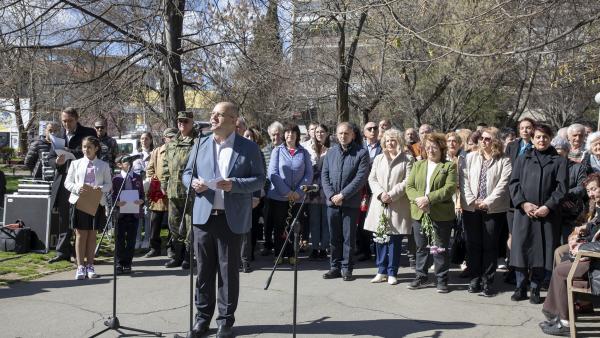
(388, 256)
(342, 227)
(319, 230)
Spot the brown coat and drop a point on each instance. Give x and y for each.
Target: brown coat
(390, 176)
(155, 169)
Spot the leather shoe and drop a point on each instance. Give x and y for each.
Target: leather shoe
(151, 253)
(347, 277)
(535, 298)
(520, 294)
(199, 329)
(474, 288)
(246, 268)
(331, 274)
(224, 332)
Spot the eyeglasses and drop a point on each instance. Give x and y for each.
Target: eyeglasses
(372, 128)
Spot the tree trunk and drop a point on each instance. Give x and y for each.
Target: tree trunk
(174, 11)
(21, 127)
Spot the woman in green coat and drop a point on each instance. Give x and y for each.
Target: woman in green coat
(430, 187)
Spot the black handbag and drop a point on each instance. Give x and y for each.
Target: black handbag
(17, 239)
(458, 250)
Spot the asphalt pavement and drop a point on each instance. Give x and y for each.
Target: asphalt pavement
(155, 298)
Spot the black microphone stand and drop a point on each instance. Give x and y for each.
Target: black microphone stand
(112, 323)
(296, 230)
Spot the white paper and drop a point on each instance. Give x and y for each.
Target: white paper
(212, 183)
(129, 196)
(57, 142)
(68, 155)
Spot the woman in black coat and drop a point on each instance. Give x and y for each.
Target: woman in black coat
(538, 183)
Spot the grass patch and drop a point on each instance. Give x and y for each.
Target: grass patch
(16, 267)
(12, 183)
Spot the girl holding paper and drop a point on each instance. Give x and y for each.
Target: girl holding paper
(130, 203)
(84, 176)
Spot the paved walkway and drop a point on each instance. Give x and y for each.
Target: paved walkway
(155, 298)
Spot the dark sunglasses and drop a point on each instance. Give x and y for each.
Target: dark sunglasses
(99, 127)
(486, 139)
(372, 128)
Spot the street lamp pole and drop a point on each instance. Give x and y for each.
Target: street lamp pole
(597, 99)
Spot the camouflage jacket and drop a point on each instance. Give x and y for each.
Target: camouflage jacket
(175, 159)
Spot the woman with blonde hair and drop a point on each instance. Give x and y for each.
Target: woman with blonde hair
(389, 213)
(484, 200)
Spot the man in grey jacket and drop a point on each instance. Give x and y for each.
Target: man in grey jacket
(345, 172)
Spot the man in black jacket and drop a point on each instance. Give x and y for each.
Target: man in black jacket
(345, 171)
(33, 159)
(74, 133)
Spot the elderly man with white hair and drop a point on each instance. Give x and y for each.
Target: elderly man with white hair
(576, 136)
(591, 157)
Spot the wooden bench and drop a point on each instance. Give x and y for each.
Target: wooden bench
(577, 285)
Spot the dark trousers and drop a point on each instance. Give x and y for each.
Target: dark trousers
(537, 277)
(268, 225)
(279, 216)
(424, 259)
(249, 239)
(127, 225)
(156, 219)
(482, 232)
(388, 256)
(342, 229)
(217, 251)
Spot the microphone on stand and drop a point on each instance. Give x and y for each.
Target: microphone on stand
(310, 188)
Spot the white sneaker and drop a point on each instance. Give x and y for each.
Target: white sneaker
(80, 273)
(91, 272)
(392, 280)
(379, 278)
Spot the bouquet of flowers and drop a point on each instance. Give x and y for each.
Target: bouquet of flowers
(381, 235)
(154, 192)
(428, 230)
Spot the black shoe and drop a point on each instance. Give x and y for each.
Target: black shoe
(442, 288)
(58, 259)
(347, 277)
(265, 252)
(557, 329)
(151, 253)
(534, 297)
(246, 268)
(519, 295)
(488, 291)
(199, 329)
(119, 270)
(545, 285)
(314, 255)
(224, 332)
(331, 274)
(126, 268)
(418, 283)
(185, 265)
(173, 263)
(323, 254)
(474, 288)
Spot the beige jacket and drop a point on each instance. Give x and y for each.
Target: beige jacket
(390, 176)
(498, 175)
(155, 169)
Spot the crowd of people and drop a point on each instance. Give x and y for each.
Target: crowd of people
(523, 203)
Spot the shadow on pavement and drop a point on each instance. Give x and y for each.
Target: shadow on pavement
(374, 328)
(29, 288)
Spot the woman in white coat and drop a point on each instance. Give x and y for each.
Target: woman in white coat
(485, 199)
(88, 172)
(387, 180)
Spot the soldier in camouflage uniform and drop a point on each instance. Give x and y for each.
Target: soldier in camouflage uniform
(175, 160)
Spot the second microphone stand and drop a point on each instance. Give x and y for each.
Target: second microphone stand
(296, 230)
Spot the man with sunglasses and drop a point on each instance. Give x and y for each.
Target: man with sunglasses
(108, 145)
(176, 157)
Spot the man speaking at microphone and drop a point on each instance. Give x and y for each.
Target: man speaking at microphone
(228, 170)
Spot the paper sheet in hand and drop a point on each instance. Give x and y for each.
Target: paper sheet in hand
(57, 142)
(129, 196)
(89, 200)
(212, 183)
(68, 155)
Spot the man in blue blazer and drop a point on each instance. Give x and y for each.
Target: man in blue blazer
(228, 170)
